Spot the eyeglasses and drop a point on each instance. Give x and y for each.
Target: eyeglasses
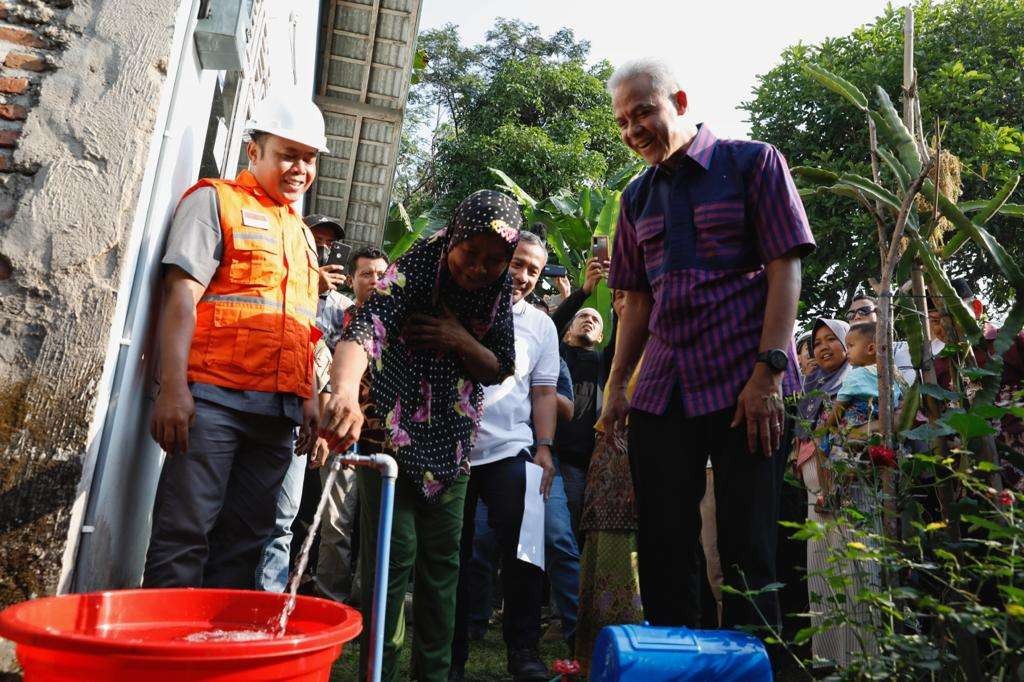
(863, 311)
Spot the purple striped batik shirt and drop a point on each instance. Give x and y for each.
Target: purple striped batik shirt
(697, 234)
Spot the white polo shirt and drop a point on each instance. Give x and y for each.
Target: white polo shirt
(505, 428)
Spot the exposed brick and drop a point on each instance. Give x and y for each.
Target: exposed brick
(9, 138)
(28, 62)
(5, 163)
(20, 36)
(13, 85)
(3, 11)
(13, 112)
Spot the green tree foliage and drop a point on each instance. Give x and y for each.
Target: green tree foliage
(522, 102)
(969, 56)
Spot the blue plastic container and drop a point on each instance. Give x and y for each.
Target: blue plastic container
(645, 653)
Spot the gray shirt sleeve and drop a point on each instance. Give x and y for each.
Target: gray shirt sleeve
(195, 242)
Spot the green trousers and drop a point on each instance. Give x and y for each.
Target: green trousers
(425, 538)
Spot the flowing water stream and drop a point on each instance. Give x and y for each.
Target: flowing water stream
(280, 624)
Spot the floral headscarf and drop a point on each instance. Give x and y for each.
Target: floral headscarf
(431, 407)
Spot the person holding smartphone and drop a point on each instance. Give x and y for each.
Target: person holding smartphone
(596, 270)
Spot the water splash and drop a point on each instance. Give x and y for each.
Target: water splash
(228, 636)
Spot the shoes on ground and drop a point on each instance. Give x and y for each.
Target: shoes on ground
(524, 665)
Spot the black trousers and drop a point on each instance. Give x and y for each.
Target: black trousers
(215, 505)
(501, 485)
(667, 455)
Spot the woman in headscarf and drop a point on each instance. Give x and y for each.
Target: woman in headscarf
(609, 582)
(837, 643)
(438, 327)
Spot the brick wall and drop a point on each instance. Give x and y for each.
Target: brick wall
(33, 35)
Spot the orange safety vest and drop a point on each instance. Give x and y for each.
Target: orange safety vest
(254, 322)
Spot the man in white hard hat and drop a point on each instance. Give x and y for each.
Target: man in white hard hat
(236, 335)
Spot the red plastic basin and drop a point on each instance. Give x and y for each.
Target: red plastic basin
(137, 636)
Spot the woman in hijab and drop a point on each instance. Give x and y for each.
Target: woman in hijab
(837, 643)
(437, 328)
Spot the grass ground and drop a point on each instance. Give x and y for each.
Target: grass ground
(486, 659)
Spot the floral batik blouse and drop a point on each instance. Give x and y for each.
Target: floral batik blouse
(430, 406)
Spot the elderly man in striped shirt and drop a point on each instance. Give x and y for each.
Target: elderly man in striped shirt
(708, 250)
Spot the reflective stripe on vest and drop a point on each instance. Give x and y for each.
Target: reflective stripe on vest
(253, 323)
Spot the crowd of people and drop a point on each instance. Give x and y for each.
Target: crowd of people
(661, 442)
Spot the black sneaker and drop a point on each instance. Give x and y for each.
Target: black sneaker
(525, 665)
(456, 674)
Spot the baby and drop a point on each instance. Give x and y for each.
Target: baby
(856, 403)
(858, 397)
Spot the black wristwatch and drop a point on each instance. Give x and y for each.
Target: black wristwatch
(776, 359)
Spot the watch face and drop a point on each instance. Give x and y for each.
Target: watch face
(778, 360)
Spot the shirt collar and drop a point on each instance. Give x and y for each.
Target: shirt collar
(700, 149)
(247, 180)
(520, 308)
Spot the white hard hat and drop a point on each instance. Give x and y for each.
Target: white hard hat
(292, 116)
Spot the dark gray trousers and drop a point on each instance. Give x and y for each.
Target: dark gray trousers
(215, 505)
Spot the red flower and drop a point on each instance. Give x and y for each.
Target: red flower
(1006, 498)
(566, 667)
(882, 456)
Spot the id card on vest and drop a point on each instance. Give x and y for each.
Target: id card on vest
(260, 221)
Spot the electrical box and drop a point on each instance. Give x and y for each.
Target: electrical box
(222, 34)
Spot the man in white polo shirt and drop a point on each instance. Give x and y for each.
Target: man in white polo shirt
(499, 458)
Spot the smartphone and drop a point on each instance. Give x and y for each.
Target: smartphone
(552, 270)
(599, 247)
(340, 251)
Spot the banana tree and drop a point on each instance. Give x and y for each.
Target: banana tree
(572, 221)
(401, 231)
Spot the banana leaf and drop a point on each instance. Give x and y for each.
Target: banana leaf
(561, 249)
(585, 207)
(423, 225)
(838, 85)
(609, 218)
(625, 174)
(565, 205)
(510, 185)
(598, 197)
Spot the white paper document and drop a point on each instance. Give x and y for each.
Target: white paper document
(531, 532)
